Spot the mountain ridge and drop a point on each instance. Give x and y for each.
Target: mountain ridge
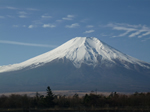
(79, 50)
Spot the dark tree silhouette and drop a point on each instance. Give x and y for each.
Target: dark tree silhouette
(49, 98)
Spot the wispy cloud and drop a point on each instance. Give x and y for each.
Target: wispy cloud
(106, 35)
(12, 8)
(10, 16)
(138, 31)
(2, 17)
(147, 33)
(22, 14)
(15, 26)
(46, 16)
(58, 20)
(145, 39)
(26, 44)
(89, 26)
(89, 31)
(121, 27)
(85, 20)
(72, 25)
(38, 22)
(69, 17)
(32, 9)
(48, 26)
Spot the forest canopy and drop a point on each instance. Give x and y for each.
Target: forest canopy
(88, 101)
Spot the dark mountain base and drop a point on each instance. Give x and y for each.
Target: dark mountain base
(62, 75)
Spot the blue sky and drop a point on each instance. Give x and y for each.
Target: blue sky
(31, 27)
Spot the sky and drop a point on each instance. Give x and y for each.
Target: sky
(32, 27)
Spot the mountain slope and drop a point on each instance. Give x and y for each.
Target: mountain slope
(79, 50)
(82, 63)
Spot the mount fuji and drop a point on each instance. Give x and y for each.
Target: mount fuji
(82, 63)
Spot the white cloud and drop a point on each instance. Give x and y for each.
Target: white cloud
(46, 17)
(48, 26)
(69, 17)
(25, 44)
(89, 26)
(130, 30)
(72, 25)
(31, 26)
(89, 31)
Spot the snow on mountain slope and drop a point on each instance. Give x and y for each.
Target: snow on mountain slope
(79, 50)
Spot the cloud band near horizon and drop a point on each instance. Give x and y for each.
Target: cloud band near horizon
(26, 44)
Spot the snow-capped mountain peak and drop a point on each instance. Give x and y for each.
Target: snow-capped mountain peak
(78, 50)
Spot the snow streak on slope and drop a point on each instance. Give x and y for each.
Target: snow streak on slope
(79, 50)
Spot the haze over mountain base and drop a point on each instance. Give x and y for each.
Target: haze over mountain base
(80, 64)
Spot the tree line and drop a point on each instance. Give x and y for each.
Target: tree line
(88, 101)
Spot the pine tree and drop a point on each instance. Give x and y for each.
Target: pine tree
(49, 98)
